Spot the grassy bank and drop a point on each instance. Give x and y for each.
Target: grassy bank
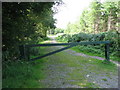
(22, 73)
(91, 50)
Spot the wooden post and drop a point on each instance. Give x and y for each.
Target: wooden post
(28, 53)
(22, 51)
(107, 49)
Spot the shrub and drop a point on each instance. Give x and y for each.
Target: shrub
(111, 36)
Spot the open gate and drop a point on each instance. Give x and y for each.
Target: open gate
(24, 49)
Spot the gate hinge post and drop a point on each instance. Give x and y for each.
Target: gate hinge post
(107, 52)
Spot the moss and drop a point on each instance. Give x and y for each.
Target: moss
(104, 79)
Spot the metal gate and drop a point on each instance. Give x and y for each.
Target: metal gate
(24, 49)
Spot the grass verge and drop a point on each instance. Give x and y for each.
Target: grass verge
(93, 52)
(22, 74)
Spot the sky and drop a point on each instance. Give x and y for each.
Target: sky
(70, 12)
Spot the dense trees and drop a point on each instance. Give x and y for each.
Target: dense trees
(27, 23)
(98, 22)
(98, 17)
(24, 23)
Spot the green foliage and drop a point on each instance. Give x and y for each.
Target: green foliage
(24, 23)
(64, 37)
(104, 79)
(56, 31)
(98, 17)
(22, 74)
(95, 49)
(98, 22)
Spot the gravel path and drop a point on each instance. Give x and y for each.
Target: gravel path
(58, 73)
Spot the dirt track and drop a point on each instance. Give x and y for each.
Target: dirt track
(66, 70)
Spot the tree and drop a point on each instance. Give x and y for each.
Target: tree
(24, 23)
(96, 13)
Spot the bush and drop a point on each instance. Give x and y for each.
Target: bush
(21, 74)
(58, 30)
(64, 38)
(111, 36)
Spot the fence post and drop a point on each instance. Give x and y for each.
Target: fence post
(107, 49)
(28, 53)
(22, 51)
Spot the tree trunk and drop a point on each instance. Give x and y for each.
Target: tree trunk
(109, 23)
(105, 26)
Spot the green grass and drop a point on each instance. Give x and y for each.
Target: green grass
(93, 52)
(22, 74)
(87, 85)
(83, 66)
(104, 79)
